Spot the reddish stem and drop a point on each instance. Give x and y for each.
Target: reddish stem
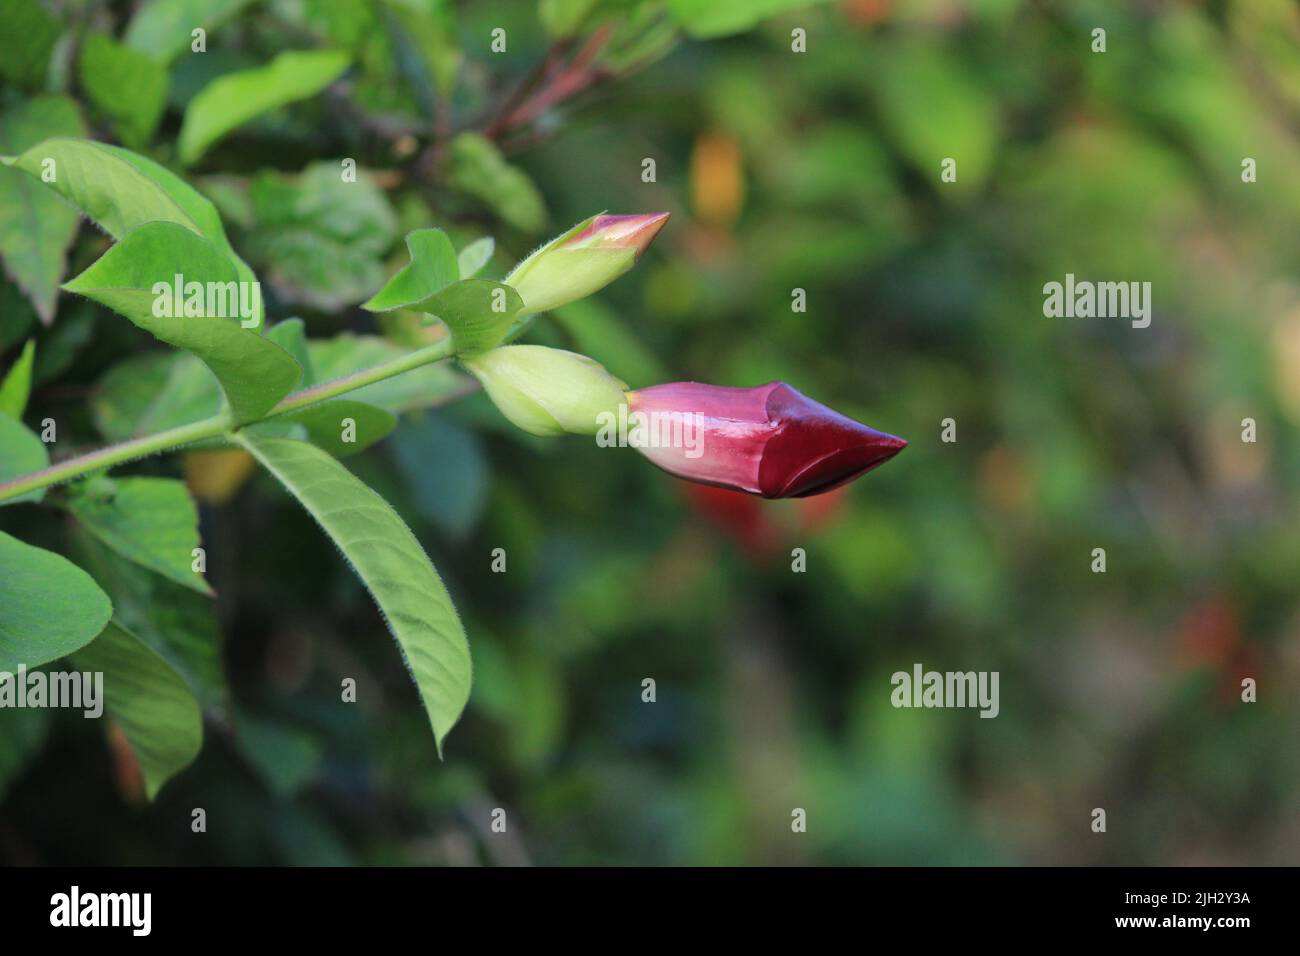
(575, 77)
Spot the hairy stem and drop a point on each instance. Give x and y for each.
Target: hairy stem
(403, 363)
(218, 425)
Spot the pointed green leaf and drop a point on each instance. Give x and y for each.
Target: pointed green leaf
(195, 206)
(961, 113)
(21, 453)
(390, 562)
(153, 392)
(176, 622)
(16, 386)
(433, 266)
(291, 335)
(120, 191)
(151, 521)
(319, 239)
(477, 168)
(113, 187)
(475, 256)
(153, 705)
(130, 87)
(477, 312)
(254, 372)
(49, 607)
(22, 734)
(35, 227)
(329, 423)
(163, 28)
(17, 316)
(27, 41)
(230, 101)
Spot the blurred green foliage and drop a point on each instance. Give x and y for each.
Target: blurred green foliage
(818, 171)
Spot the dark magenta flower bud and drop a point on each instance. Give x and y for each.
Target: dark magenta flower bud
(769, 440)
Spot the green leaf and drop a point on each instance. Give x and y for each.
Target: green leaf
(26, 41)
(563, 18)
(478, 312)
(475, 256)
(232, 100)
(130, 87)
(162, 28)
(715, 18)
(478, 169)
(318, 239)
(229, 193)
(346, 25)
(644, 37)
(423, 387)
(433, 266)
(151, 521)
(114, 187)
(324, 425)
(291, 335)
(16, 386)
(61, 345)
(49, 607)
(35, 227)
(21, 453)
(390, 562)
(936, 107)
(120, 191)
(17, 316)
(153, 705)
(198, 209)
(22, 734)
(175, 621)
(254, 373)
(153, 392)
(427, 33)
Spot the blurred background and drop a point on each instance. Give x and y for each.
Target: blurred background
(820, 171)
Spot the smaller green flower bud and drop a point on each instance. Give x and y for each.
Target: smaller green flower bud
(548, 391)
(583, 260)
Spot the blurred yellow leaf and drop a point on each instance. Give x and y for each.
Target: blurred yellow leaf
(213, 476)
(717, 179)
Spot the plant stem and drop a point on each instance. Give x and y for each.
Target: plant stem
(575, 77)
(218, 425)
(403, 363)
(116, 455)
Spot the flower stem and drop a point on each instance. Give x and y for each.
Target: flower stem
(403, 363)
(217, 425)
(116, 455)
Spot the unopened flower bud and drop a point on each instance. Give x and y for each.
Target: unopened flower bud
(583, 260)
(769, 440)
(547, 391)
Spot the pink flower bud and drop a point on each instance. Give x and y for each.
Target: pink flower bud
(633, 231)
(769, 440)
(584, 259)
